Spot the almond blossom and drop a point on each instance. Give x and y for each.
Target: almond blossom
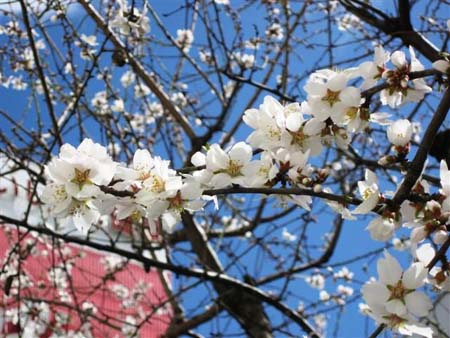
(160, 183)
(370, 193)
(130, 21)
(439, 275)
(400, 88)
(403, 324)
(382, 228)
(268, 123)
(372, 71)
(394, 297)
(302, 134)
(184, 39)
(187, 198)
(429, 218)
(227, 167)
(399, 133)
(77, 175)
(260, 172)
(329, 95)
(82, 170)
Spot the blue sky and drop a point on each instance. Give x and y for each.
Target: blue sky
(354, 240)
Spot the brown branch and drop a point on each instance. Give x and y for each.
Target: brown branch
(181, 328)
(283, 191)
(216, 277)
(416, 166)
(396, 27)
(251, 315)
(40, 71)
(315, 263)
(140, 71)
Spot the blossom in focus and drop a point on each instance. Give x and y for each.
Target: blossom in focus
(370, 193)
(83, 169)
(268, 123)
(399, 133)
(160, 183)
(260, 172)
(329, 95)
(372, 71)
(301, 134)
(400, 89)
(141, 168)
(76, 176)
(405, 324)
(395, 292)
(429, 220)
(226, 167)
(187, 198)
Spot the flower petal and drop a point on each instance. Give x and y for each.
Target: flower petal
(418, 303)
(414, 277)
(389, 270)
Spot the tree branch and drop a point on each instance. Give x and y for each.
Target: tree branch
(140, 71)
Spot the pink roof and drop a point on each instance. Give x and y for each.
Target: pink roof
(126, 290)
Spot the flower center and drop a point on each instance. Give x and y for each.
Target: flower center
(298, 137)
(352, 113)
(398, 80)
(78, 208)
(274, 133)
(158, 185)
(398, 291)
(367, 192)
(234, 168)
(81, 177)
(136, 216)
(60, 193)
(331, 97)
(176, 202)
(394, 320)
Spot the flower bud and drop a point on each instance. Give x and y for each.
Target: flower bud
(440, 236)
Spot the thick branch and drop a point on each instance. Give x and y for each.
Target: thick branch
(416, 167)
(393, 27)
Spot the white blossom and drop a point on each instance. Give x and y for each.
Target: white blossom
(382, 228)
(184, 39)
(369, 192)
(399, 133)
(395, 292)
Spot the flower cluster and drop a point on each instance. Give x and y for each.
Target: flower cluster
(129, 21)
(394, 300)
(83, 179)
(400, 88)
(85, 183)
(76, 177)
(429, 218)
